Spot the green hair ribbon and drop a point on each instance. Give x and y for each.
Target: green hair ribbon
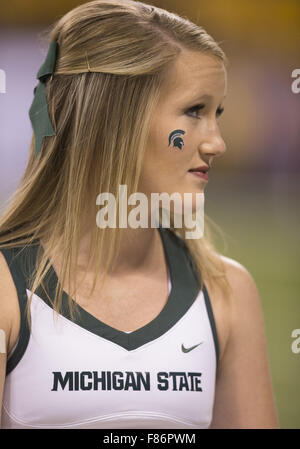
(38, 112)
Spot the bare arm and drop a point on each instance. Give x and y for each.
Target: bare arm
(8, 307)
(2, 370)
(244, 394)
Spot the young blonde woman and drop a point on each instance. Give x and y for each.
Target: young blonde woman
(125, 327)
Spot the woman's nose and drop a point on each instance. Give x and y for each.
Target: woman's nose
(213, 143)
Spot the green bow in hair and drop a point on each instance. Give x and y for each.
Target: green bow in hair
(38, 112)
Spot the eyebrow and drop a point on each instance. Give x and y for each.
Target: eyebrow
(196, 100)
(207, 97)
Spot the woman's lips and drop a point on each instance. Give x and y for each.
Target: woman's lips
(199, 174)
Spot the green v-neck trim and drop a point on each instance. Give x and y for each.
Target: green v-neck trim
(185, 287)
(184, 291)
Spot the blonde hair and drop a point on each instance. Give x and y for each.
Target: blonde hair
(100, 137)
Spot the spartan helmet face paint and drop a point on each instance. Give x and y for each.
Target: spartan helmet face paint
(175, 137)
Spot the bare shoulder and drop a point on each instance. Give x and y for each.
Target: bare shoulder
(245, 294)
(236, 271)
(245, 305)
(224, 305)
(237, 274)
(9, 304)
(244, 392)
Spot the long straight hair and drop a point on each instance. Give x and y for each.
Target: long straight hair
(102, 122)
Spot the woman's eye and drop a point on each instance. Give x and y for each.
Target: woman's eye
(196, 108)
(199, 107)
(219, 111)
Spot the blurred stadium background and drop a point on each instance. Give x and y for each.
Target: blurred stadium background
(253, 191)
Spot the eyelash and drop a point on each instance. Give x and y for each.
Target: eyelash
(198, 107)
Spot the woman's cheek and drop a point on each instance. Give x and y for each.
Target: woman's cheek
(181, 139)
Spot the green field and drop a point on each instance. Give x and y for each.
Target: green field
(262, 232)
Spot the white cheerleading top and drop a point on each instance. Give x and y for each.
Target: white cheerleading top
(86, 374)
